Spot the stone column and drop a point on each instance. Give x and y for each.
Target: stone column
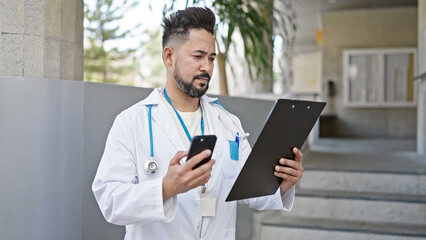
(41, 39)
(421, 107)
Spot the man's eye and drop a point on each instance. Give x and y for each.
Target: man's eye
(197, 56)
(212, 59)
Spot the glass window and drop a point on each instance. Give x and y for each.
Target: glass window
(379, 77)
(362, 78)
(399, 69)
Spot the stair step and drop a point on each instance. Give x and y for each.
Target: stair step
(384, 162)
(374, 207)
(408, 198)
(276, 227)
(364, 182)
(354, 145)
(353, 190)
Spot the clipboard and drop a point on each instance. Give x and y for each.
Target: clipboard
(288, 125)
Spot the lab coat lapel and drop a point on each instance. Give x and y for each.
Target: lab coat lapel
(211, 113)
(161, 116)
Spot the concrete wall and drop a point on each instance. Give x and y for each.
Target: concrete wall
(52, 136)
(375, 28)
(41, 159)
(307, 81)
(41, 39)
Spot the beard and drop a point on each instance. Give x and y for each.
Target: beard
(188, 87)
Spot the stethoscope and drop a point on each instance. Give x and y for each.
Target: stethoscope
(151, 166)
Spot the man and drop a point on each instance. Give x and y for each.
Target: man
(175, 201)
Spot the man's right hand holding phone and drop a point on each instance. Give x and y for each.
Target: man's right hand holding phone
(181, 178)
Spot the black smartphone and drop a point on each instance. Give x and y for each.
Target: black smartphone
(199, 144)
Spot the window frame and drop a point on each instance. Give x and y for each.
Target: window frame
(380, 54)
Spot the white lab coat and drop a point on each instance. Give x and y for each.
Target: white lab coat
(128, 195)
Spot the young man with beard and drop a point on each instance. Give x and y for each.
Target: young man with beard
(164, 198)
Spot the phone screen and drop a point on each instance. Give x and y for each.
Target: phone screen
(199, 144)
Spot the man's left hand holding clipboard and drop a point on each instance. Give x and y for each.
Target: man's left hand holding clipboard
(291, 171)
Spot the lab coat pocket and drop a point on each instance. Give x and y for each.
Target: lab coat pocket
(231, 169)
(230, 156)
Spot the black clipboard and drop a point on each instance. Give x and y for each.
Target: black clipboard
(288, 125)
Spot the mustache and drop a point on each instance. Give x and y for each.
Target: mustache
(202, 75)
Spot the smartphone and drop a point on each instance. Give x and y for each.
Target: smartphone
(199, 144)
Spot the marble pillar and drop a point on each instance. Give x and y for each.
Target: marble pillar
(42, 39)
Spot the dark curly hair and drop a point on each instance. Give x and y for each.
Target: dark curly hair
(178, 24)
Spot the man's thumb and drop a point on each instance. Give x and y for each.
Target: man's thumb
(178, 156)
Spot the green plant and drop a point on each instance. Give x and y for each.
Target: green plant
(256, 21)
(101, 64)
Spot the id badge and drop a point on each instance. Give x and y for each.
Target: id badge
(208, 206)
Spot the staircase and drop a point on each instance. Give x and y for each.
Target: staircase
(354, 189)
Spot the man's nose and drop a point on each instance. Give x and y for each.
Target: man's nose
(206, 65)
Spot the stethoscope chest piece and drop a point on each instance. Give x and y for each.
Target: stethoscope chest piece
(151, 166)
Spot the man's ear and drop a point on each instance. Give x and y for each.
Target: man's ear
(168, 56)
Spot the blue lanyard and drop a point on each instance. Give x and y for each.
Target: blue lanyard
(218, 103)
(181, 120)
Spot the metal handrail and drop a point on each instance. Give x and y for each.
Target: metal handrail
(420, 77)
